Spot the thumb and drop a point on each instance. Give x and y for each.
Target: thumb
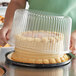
(71, 42)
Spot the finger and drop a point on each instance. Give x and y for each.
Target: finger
(74, 44)
(8, 35)
(2, 43)
(71, 42)
(3, 39)
(74, 52)
(4, 32)
(3, 36)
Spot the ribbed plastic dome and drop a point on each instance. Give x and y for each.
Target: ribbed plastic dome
(37, 25)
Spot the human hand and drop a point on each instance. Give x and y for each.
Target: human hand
(4, 35)
(73, 43)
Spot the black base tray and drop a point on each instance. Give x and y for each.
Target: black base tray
(10, 61)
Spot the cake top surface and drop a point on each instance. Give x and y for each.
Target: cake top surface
(41, 35)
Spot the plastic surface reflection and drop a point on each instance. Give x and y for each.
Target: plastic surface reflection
(22, 71)
(68, 70)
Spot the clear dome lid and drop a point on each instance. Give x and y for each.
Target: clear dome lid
(41, 32)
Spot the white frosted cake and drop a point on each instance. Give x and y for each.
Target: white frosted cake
(39, 47)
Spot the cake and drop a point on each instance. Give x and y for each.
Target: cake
(1, 72)
(39, 47)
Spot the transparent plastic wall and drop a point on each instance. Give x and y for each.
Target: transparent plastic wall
(30, 20)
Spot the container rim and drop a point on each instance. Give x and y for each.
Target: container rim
(43, 13)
